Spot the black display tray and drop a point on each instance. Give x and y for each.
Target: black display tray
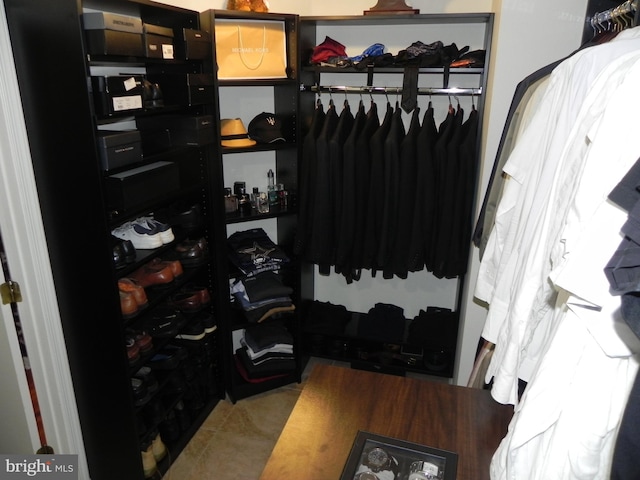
(376, 457)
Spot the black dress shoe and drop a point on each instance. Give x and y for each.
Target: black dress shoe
(123, 252)
(192, 253)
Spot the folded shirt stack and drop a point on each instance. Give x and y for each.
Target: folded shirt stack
(267, 351)
(262, 296)
(253, 252)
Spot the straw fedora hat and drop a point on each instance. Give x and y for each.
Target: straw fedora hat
(234, 134)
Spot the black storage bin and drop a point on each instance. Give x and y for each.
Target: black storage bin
(158, 42)
(183, 130)
(116, 94)
(119, 148)
(185, 88)
(193, 44)
(140, 186)
(111, 21)
(113, 34)
(112, 42)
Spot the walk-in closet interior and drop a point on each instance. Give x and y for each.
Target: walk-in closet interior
(413, 222)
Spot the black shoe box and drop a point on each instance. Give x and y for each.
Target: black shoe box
(184, 130)
(111, 21)
(185, 89)
(117, 94)
(193, 44)
(113, 42)
(158, 41)
(119, 148)
(140, 186)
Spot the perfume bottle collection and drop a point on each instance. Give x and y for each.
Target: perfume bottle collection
(238, 201)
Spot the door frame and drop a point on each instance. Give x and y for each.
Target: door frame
(26, 249)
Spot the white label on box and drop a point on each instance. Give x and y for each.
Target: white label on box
(167, 51)
(129, 84)
(127, 103)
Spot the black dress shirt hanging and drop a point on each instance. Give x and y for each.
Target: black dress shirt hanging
(375, 205)
(391, 191)
(363, 171)
(406, 199)
(424, 186)
(346, 215)
(307, 181)
(336, 174)
(319, 251)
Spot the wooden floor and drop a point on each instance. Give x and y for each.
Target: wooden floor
(235, 442)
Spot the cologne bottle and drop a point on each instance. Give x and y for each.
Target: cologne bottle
(230, 201)
(271, 188)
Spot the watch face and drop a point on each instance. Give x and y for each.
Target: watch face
(377, 459)
(367, 476)
(423, 471)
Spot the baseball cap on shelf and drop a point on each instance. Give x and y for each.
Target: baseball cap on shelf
(266, 128)
(234, 134)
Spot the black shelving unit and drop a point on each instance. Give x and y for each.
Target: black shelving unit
(392, 357)
(54, 67)
(284, 93)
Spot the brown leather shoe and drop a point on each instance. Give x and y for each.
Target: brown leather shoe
(201, 291)
(176, 266)
(129, 285)
(160, 274)
(187, 302)
(128, 305)
(133, 351)
(144, 341)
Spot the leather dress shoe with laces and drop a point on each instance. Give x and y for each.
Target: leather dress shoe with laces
(154, 275)
(201, 291)
(187, 302)
(175, 265)
(128, 305)
(192, 252)
(129, 285)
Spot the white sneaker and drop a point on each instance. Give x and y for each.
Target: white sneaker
(142, 237)
(163, 229)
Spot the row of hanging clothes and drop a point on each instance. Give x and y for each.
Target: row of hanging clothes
(549, 230)
(379, 196)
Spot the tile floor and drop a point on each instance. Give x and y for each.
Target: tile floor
(236, 440)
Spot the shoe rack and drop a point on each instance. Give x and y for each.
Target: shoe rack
(245, 99)
(139, 323)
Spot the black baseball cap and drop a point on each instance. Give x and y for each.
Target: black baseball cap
(266, 128)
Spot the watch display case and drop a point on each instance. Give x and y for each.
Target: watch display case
(376, 457)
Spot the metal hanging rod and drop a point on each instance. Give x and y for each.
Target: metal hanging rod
(390, 90)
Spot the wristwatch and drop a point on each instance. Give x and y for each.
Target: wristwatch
(423, 471)
(377, 459)
(366, 476)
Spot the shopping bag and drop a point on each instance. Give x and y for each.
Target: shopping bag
(250, 49)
